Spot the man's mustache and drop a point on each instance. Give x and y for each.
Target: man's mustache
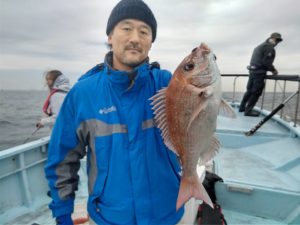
(133, 47)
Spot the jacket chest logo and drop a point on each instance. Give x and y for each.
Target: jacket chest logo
(108, 110)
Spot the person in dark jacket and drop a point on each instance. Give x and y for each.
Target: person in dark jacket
(133, 178)
(261, 62)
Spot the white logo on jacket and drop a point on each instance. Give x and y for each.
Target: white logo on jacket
(108, 110)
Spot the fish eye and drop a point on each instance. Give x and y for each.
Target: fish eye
(189, 66)
(194, 49)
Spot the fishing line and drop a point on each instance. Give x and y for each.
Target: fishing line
(36, 130)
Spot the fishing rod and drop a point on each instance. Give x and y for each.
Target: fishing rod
(36, 130)
(254, 129)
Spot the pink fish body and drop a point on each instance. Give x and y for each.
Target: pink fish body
(186, 112)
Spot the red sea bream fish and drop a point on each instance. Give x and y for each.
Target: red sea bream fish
(186, 112)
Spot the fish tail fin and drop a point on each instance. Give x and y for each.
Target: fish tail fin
(192, 187)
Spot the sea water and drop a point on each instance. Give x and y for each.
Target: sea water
(19, 113)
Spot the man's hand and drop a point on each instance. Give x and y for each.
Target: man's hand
(275, 72)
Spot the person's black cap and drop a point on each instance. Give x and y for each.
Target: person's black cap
(131, 9)
(276, 36)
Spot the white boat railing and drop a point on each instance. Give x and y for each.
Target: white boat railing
(20, 191)
(278, 94)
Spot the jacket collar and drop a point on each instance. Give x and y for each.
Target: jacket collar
(124, 80)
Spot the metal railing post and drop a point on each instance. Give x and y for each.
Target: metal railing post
(274, 94)
(24, 177)
(233, 95)
(283, 97)
(297, 105)
(263, 96)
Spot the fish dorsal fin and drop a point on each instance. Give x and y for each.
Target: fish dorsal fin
(211, 151)
(226, 110)
(160, 116)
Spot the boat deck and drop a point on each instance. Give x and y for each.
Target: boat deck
(260, 172)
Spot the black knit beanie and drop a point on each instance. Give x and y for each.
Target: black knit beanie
(131, 9)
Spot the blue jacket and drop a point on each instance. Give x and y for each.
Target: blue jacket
(132, 177)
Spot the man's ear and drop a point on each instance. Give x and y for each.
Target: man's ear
(109, 41)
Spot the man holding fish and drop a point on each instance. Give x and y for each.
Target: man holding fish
(135, 159)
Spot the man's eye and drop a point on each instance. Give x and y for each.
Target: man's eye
(189, 66)
(144, 32)
(126, 28)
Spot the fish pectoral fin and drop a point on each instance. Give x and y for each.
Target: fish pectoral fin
(211, 151)
(197, 111)
(204, 94)
(192, 187)
(226, 110)
(160, 117)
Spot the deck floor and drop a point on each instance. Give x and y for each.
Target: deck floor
(263, 169)
(269, 158)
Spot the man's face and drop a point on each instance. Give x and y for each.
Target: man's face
(131, 41)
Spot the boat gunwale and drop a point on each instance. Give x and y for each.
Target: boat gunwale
(24, 147)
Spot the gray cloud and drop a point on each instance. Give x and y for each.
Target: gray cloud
(70, 35)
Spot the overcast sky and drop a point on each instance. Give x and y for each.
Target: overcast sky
(69, 35)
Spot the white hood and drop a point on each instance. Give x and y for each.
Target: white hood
(62, 83)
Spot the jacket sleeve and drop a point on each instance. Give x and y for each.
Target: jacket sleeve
(167, 78)
(64, 153)
(268, 58)
(48, 121)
